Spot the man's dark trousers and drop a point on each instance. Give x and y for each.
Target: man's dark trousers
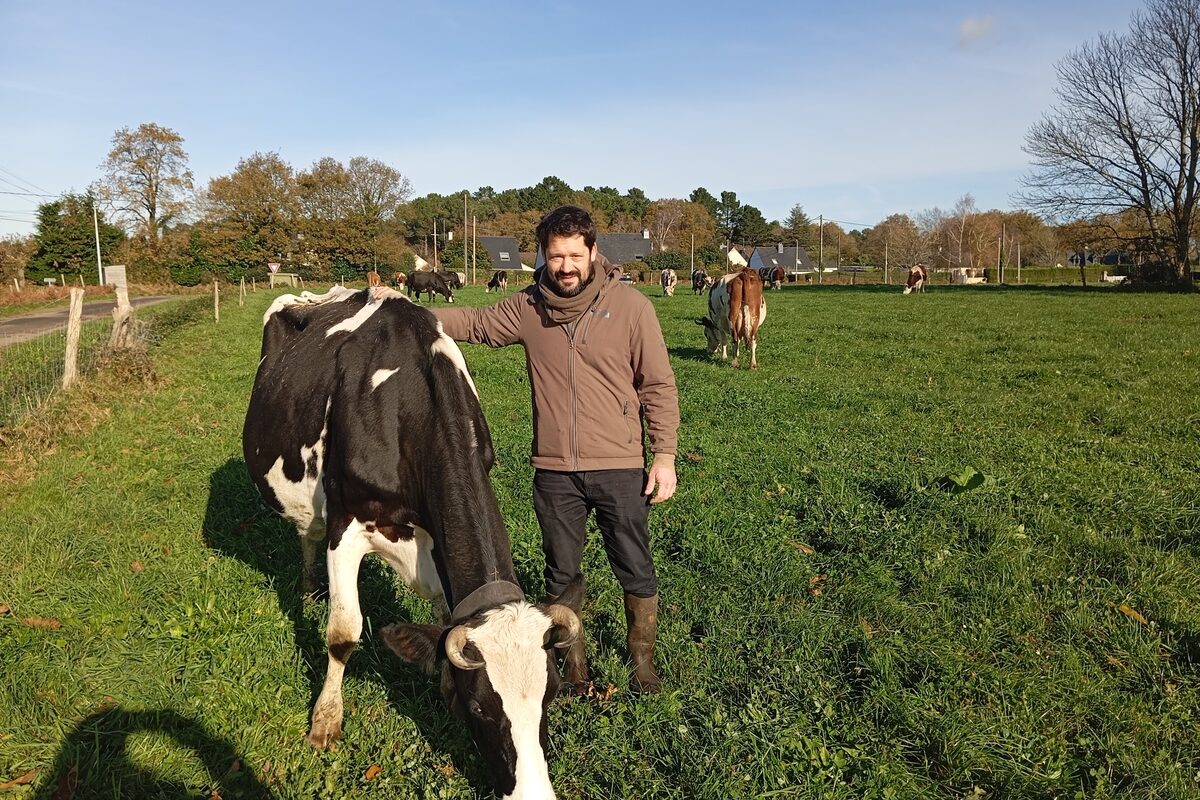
(562, 501)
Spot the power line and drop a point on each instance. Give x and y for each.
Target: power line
(28, 194)
(22, 180)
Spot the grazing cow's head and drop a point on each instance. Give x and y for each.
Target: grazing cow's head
(711, 334)
(503, 675)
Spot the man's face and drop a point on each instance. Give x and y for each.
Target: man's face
(569, 263)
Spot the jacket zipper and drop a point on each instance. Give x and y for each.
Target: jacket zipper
(587, 323)
(574, 411)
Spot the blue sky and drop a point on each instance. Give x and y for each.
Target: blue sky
(855, 110)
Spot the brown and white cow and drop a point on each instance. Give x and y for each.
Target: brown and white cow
(917, 278)
(736, 309)
(373, 279)
(668, 279)
(399, 279)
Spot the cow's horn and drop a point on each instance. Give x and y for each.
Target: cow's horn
(456, 640)
(568, 620)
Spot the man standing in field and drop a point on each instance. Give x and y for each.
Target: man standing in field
(598, 368)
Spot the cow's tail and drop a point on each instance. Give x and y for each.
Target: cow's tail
(737, 302)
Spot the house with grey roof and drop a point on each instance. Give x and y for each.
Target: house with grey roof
(792, 259)
(504, 252)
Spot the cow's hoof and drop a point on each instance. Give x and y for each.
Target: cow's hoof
(323, 736)
(735, 363)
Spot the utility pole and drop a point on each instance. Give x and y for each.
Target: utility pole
(96, 228)
(435, 256)
(474, 230)
(886, 278)
(821, 253)
(465, 236)
(1018, 262)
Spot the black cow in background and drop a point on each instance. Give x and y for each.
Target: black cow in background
(499, 281)
(455, 280)
(428, 282)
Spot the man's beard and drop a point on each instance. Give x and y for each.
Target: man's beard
(562, 291)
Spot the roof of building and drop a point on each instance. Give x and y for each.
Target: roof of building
(790, 258)
(503, 250)
(623, 248)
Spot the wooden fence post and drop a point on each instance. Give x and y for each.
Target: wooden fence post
(242, 292)
(216, 303)
(74, 323)
(253, 285)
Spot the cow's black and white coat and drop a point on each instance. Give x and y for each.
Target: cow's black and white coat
(364, 430)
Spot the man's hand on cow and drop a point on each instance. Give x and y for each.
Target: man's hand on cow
(661, 475)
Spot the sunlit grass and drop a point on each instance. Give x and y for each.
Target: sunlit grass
(834, 624)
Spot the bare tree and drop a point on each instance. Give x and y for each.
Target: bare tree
(1126, 131)
(665, 215)
(146, 179)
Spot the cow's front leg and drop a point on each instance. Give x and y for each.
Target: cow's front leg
(341, 633)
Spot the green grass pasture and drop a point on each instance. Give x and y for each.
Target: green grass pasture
(937, 546)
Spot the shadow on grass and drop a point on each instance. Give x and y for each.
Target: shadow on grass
(93, 760)
(239, 524)
(692, 354)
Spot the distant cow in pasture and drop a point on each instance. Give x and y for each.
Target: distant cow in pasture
(498, 281)
(736, 309)
(701, 280)
(668, 279)
(373, 279)
(455, 280)
(917, 278)
(428, 282)
(364, 430)
(399, 279)
(772, 276)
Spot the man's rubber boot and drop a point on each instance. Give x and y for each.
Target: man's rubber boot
(641, 615)
(575, 659)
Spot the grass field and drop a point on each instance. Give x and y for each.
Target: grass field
(937, 546)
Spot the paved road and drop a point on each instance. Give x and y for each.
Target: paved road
(38, 323)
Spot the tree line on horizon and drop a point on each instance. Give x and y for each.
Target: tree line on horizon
(338, 219)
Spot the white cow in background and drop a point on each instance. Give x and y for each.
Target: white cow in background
(668, 280)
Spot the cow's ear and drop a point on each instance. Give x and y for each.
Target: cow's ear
(699, 321)
(416, 644)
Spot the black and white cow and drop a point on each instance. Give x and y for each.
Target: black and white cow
(364, 430)
(499, 281)
(668, 279)
(428, 282)
(701, 280)
(455, 280)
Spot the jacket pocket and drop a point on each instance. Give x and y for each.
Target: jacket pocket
(630, 424)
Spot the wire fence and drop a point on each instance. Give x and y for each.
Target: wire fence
(31, 369)
(32, 365)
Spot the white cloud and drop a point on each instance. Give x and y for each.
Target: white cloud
(974, 29)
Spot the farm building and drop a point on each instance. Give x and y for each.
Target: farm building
(794, 260)
(504, 252)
